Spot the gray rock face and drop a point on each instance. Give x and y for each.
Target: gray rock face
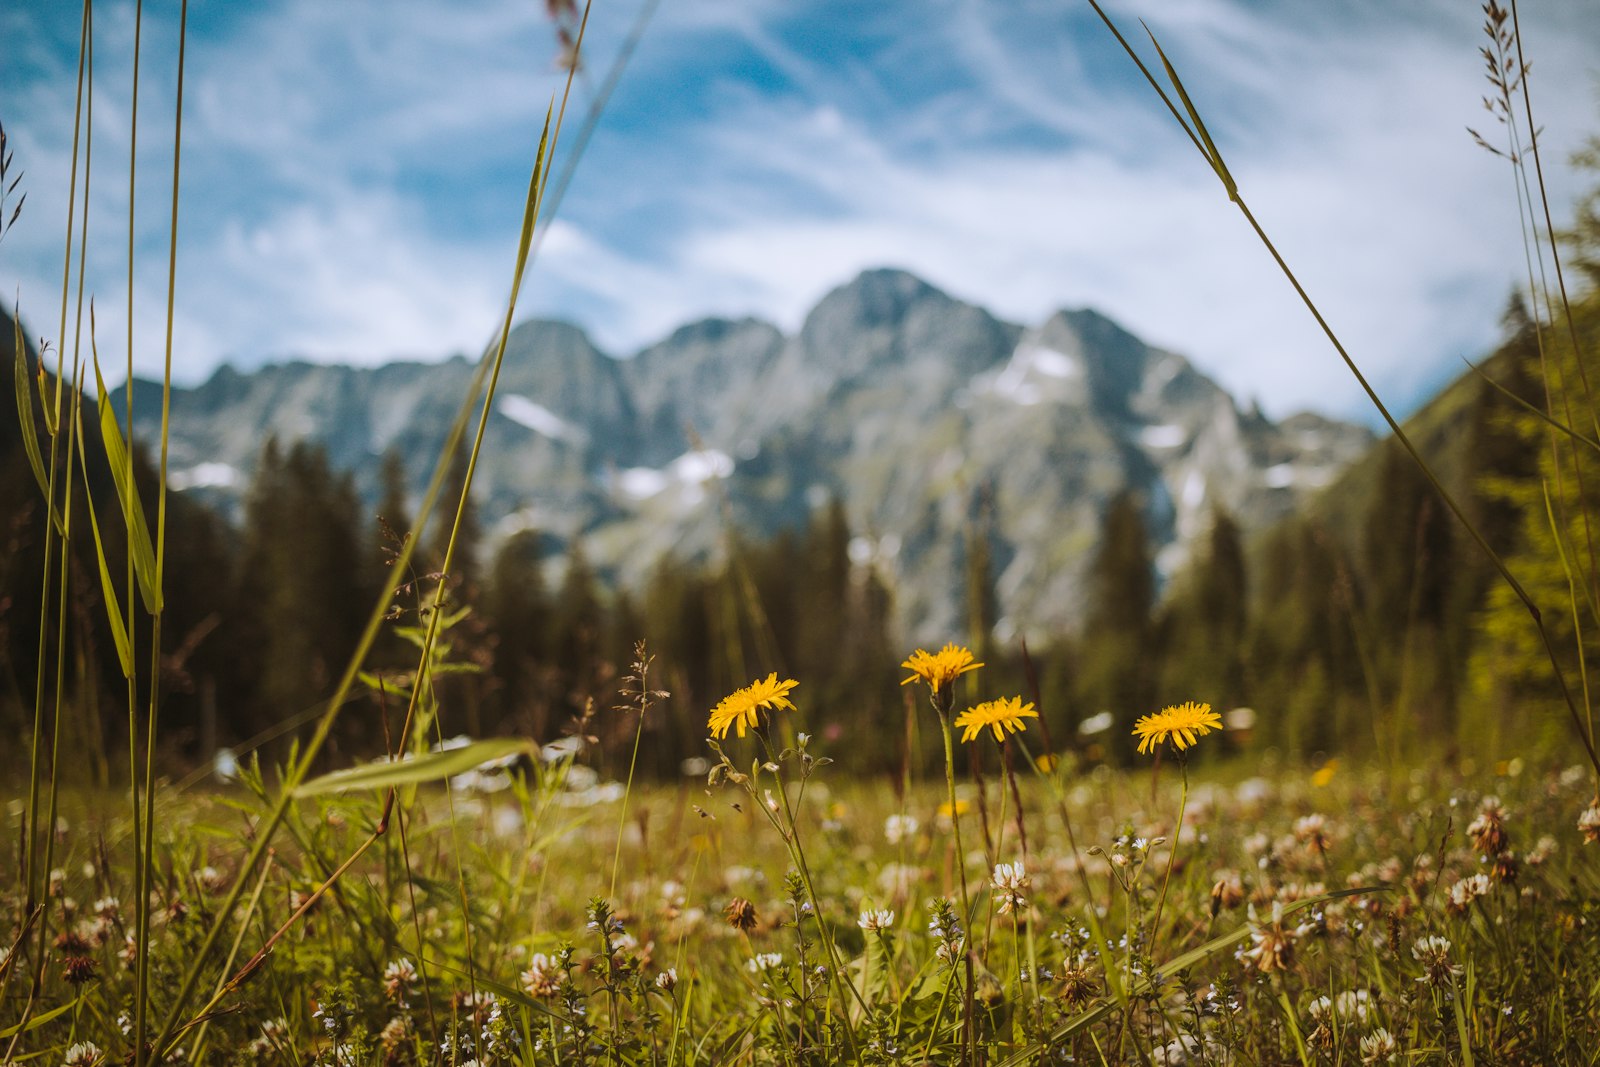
(933, 421)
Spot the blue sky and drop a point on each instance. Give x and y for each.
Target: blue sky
(353, 173)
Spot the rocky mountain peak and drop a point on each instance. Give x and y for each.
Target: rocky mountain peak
(919, 412)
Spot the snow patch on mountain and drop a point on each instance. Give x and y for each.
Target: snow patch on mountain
(538, 418)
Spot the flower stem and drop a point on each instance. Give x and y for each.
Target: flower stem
(1172, 854)
(961, 870)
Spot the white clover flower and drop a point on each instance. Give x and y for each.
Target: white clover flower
(898, 828)
(1433, 952)
(1589, 823)
(543, 976)
(874, 921)
(1379, 1047)
(82, 1054)
(1353, 1005)
(1010, 879)
(1468, 889)
(765, 961)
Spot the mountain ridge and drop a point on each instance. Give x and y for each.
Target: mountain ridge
(922, 413)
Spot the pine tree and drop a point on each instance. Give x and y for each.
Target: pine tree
(464, 564)
(1554, 556)
(1206, 622)
(1305, 667)
(517, 613)
(1118, 641)
(301, 587)
(577, 628)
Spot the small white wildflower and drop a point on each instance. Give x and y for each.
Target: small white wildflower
(1589, 823)
(875, 921)
(1468, 889)
(1379, 1047)
(765, 961)
(82, 1054)
(1542, 850)
(542, 978)
(1010, 879)
(1353, 1005)
(1433, 952)
(898, 828)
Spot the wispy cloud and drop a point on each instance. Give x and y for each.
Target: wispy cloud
(354, 172)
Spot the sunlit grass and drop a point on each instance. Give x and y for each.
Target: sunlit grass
(1472, 920)
(775, 911)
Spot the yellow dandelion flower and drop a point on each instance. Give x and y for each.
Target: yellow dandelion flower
(940, 668)
(1324, 774)
(1181, 724)
(739, 708)
(1001, 716)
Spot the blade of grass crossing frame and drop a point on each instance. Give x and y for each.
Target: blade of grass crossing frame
(30, 437)
(144, 553)
(530, 216)
(108, 590)
(1177, 965)
(1211, 152)
(1534, 409)
(300, 766)
(429, 768)
(40, 1020)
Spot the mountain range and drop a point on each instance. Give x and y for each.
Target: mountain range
(930, 419)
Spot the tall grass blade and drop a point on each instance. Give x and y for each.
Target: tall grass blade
(39, 1020)
(1534, 409)
(30, 436)
(1211, 152)
(142, 548)
(300, 767)
(1208, 150)
(1177, 964)
(416, 770)
(108, 589)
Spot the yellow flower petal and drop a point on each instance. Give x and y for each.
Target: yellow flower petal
(1181, 725)
(741, 707)
(1001, 716)
(940, 668)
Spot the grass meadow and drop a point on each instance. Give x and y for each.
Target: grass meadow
(538, 915)
(500, 903)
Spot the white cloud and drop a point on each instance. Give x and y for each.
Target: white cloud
(354, 174)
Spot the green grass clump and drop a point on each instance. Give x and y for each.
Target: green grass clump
(479, 928)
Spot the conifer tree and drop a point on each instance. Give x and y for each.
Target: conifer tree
(1206, 622)
(464, 565)
(1118, 653)
(301, 585)
(517, 612)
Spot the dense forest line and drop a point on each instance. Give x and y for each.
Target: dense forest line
(1370, 622)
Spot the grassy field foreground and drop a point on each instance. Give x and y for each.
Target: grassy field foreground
(542, 916)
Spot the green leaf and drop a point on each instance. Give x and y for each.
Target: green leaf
(1534, 410)
(429, 767)
(1214, 156)
(1177, 964)
(144, 553)
(30, 437)
(504, 992)
(108, 590)
(39, 1020)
